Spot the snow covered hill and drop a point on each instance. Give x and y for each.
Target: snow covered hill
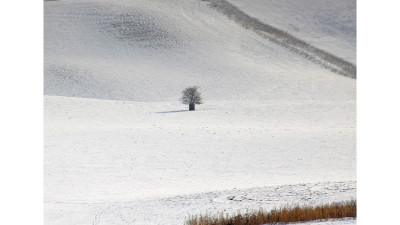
(329, 24)
(117, 138)
(284, 39)
(151, 50)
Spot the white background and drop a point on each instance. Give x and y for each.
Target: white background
(21, 111)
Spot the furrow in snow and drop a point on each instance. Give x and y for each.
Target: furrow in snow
(323, 58)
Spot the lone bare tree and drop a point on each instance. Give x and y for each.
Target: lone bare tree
(191, 96)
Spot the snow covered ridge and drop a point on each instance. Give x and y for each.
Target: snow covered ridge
(330, 25)
(286, 40)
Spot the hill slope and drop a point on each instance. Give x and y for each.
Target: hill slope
(150, 51)
(329, 24)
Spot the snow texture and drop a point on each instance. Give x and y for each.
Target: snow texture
(329, 24)
(286, 40)
(275, 128)
(174, 210)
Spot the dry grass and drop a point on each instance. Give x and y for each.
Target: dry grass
(285, 214)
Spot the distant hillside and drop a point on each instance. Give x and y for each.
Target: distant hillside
(151, 50)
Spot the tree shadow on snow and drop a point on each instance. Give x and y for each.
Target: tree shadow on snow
(174, 111)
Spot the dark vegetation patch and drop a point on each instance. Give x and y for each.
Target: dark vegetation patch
(141, 30)
(286, 214)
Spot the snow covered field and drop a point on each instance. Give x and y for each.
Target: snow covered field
(175, 209)
(120, 149)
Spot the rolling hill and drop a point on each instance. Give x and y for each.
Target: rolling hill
(121, 149)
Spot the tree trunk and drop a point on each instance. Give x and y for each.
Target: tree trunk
(191, 107)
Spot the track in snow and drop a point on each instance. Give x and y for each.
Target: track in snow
(316, 55)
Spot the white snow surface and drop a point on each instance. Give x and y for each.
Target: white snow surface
(346, 221)
(120, 149)
(100, 150)
(329, 24)
(151, 50)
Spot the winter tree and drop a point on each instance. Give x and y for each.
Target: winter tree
(191, 96)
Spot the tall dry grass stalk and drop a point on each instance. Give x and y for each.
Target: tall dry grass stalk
(286, 214)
